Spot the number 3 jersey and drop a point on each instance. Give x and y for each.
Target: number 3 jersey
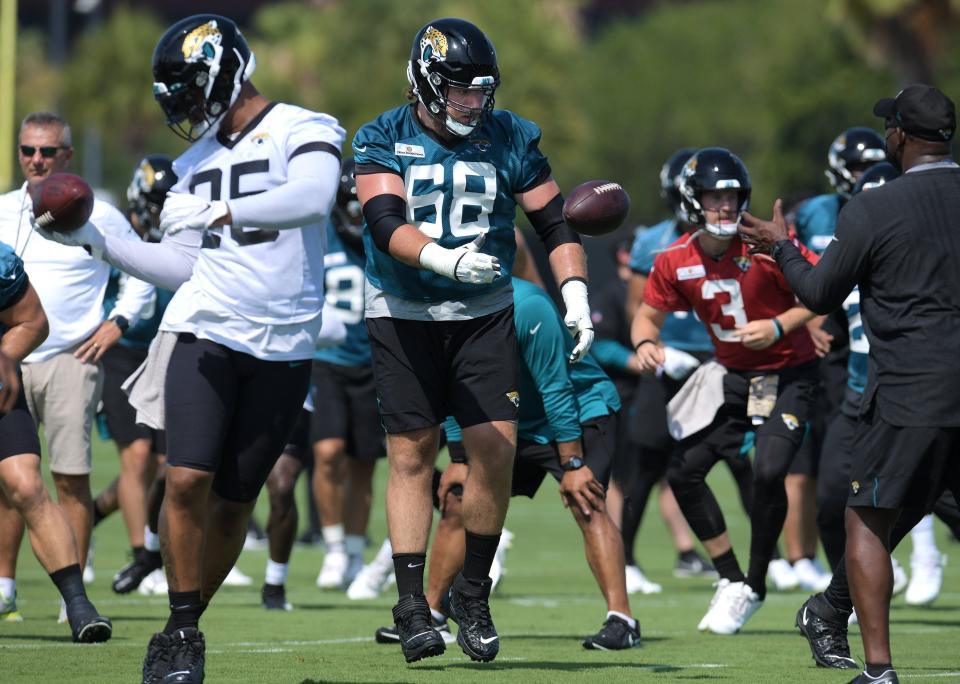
(255, 289)
(727, 292)
(453, 194)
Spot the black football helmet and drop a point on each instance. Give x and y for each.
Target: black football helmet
(853, 151)
(875, 176)
(713, 168)
(453, 53)
(152, 180)
(347, 216)
(199, 65)
(669, 175)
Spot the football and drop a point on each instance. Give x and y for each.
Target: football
(62, 203)
(596, 207)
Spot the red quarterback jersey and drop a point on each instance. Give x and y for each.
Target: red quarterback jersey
(727, 292)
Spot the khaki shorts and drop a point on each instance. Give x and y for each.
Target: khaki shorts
(62, 394)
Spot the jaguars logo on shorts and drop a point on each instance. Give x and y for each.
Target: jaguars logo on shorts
(790, 421)
(514, 398)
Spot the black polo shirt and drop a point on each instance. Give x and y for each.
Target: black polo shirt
(901, 244)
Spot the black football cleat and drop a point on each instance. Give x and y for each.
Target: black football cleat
(615, 635)
(133, 573)
(414, 625)
(187, 656)
(888, 677)
(86, 625)
(470, 609)
(826, 632)
(692, 564)
(156, 664)
(389, 635)
(274, 597)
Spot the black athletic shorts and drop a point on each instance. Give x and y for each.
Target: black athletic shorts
(230, 413)
(535, 460)
(428, 370)
(345, 407)
(833, 480)
(732, 433)
(298, 443)
(119, 363)
(18, 431)
(901, 467)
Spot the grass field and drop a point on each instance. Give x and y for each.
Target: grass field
(546, 603)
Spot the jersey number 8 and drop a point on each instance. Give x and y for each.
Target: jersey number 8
(469, 210)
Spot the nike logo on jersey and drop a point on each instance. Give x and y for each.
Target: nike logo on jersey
(361, 149)
(487, 641)
(534, 329)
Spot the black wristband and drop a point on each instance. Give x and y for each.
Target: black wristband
(121, 323)
(642, 342)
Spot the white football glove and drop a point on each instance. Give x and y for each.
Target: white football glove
(183, 211)
(577, 320)
(677, 364)
(87, 236)
(465, 264)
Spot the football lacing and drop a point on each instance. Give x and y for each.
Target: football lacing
(44, 219)
(606, 187)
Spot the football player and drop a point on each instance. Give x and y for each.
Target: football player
(243, 247)
(439, 180)
(22, 492)
(758, 392)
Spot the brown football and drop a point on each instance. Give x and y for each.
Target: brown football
(596, 207)
(62, 203)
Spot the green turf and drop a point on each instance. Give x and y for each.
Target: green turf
(546, 603)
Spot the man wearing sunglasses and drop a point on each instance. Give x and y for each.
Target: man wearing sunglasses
(62, 376)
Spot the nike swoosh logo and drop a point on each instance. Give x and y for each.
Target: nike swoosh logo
(534, 329)
(184, 607)
(804, 615)
(412, 566)
(487, 641)
(361, 149)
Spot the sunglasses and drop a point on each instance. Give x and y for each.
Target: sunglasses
(47, 152)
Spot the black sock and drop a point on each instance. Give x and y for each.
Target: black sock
(98, 516)
(185, 610)
(822, 607)
(69, 581)
(877, 670)
(727, 566)
(408, 568)
(480, 550)
(139, 554)
(838, 593)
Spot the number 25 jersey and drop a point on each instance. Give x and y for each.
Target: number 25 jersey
(453, 192)
(727, 292)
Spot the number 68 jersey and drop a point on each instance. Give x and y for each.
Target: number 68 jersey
(727, 292)
(454, 192)
(255, 289)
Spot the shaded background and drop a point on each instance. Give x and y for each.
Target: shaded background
(615, 85)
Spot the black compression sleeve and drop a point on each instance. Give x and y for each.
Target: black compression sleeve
(550, 226)
(384, 214)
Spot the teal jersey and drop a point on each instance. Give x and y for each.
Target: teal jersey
(556, 396)
(141, 333)
(817, 221)
(682, 329)
(343, 283)
(453, 193)
(859, 345)
(13, 279)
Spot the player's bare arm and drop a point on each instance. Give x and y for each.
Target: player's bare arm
(26, 325)
(763, 332)
(645, 337)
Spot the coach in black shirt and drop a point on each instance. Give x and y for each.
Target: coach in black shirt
(901, 244)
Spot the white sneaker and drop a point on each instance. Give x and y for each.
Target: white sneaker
(809, 577)
(88, 574)
(926, 578)
(154, 584)
(900, 579)
(373, 577)
(638, 582)
(8, 609)
(334, 570)
(498, 568)
(254, 543)
(853, 619)
(354, 566)
(235, 578)
(735, 605)
(781, 575)
(705, 620)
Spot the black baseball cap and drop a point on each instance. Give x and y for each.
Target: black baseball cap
(920, 110)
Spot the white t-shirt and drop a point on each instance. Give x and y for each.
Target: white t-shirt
(255, 289)
(69, 282)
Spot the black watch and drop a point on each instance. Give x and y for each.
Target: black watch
(122, 323)
(575, 463)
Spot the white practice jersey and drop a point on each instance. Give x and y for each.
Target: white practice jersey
(255, 289)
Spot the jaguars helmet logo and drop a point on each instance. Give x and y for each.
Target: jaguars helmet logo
(433, 46)
(202, 42)
(145, 176)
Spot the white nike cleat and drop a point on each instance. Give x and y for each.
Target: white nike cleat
(154, 584)
(735, 605)
(498, 568)
(235, 578)
(374, 577)
(8, 608)
(809, 577)
(334, 570)
(781, 575)
(705, 620)
(926, 578)
(900, 579)
(638, 582)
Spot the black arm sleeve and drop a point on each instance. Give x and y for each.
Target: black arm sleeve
(552, 230)
(384, 214)
(822, 288)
